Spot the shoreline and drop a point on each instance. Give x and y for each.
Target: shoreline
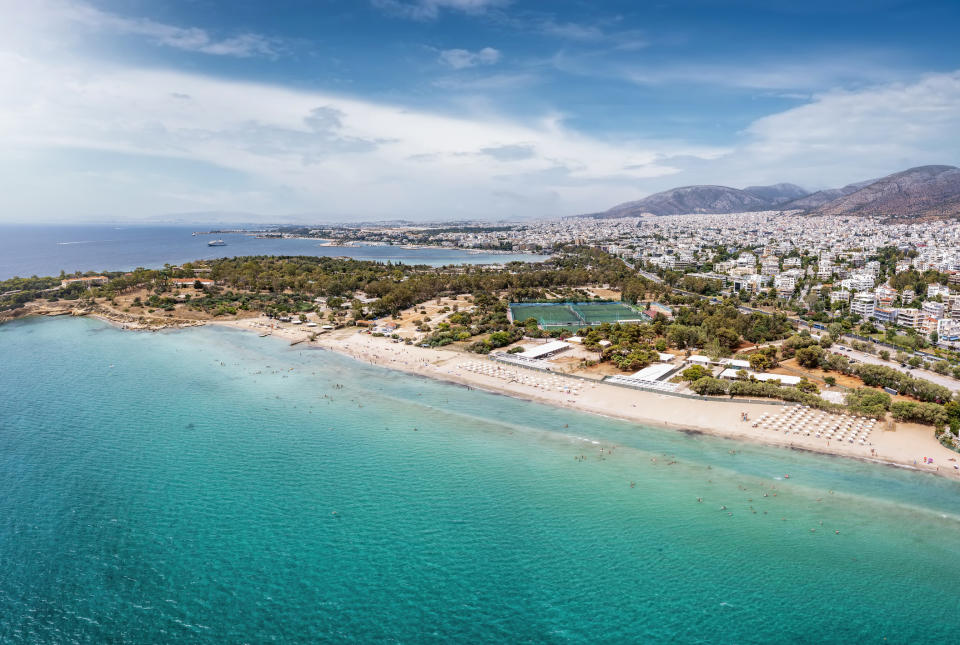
(901, 448)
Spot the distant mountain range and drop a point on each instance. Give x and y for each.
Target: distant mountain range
(925, 192)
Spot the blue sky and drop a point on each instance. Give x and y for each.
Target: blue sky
(440, 109)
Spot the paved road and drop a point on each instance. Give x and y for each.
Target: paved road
(863, 357)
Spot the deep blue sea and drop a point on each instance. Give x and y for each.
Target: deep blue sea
(46, 250)
(210, 486)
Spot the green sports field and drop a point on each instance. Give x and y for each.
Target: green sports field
(574, 315)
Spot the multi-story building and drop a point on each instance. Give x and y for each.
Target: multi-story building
(861, 282)
(839, 296)
(885, 315)
(910, 318)
(770, 265)
(785, 284)
(863, 305)
(934, 290)
(948, 332)
(955, 307)
(933, 308)
(885, 295)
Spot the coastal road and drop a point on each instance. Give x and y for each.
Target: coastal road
(862, 357)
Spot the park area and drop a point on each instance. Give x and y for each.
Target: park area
(574, 315)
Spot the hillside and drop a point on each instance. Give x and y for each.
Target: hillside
(925, 192)
(777, 193)
(821, 197)
(691, 199)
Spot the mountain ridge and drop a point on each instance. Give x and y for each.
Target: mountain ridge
(922, 192)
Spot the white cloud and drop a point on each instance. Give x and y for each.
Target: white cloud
(462, 58)
(852, 135)
(338, 156)
(430, 9)
(68, 15)
(571, 30)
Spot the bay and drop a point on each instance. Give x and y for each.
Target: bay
(46, 250)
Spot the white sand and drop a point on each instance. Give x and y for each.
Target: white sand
(906, 446)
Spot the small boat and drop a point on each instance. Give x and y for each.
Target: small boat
(216, 243)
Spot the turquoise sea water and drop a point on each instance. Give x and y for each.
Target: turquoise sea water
(208, 485)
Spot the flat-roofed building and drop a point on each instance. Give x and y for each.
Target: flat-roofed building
(863, 305)
(885, 315)
(785, 379)
(907, 317)
(933, 308)
(546, 350)
(839, 296)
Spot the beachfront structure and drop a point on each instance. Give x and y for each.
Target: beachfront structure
(655, 372)
(735, 363)
(785, 379)
(540, 352)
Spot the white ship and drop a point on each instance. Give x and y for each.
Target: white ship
(216, 243)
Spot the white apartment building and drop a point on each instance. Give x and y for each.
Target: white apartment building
(861, 282)
(785, 284)
(910, 318)
(933, 308)
(955, 307)
(863, 305)
(885, 295)
(791, 263)
(839, 296)
(770, 265)
(934, 290)
(948, 331)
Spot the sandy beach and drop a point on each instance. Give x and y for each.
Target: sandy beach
(906, 446)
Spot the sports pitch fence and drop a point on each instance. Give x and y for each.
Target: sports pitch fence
(576, 314)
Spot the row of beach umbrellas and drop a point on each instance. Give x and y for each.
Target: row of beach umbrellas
(806, 421)
(534, 380)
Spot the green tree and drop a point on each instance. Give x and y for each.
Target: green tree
(695, 373)
(868, 401)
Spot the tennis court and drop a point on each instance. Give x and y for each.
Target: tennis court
(600, 312)
(574, 315)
